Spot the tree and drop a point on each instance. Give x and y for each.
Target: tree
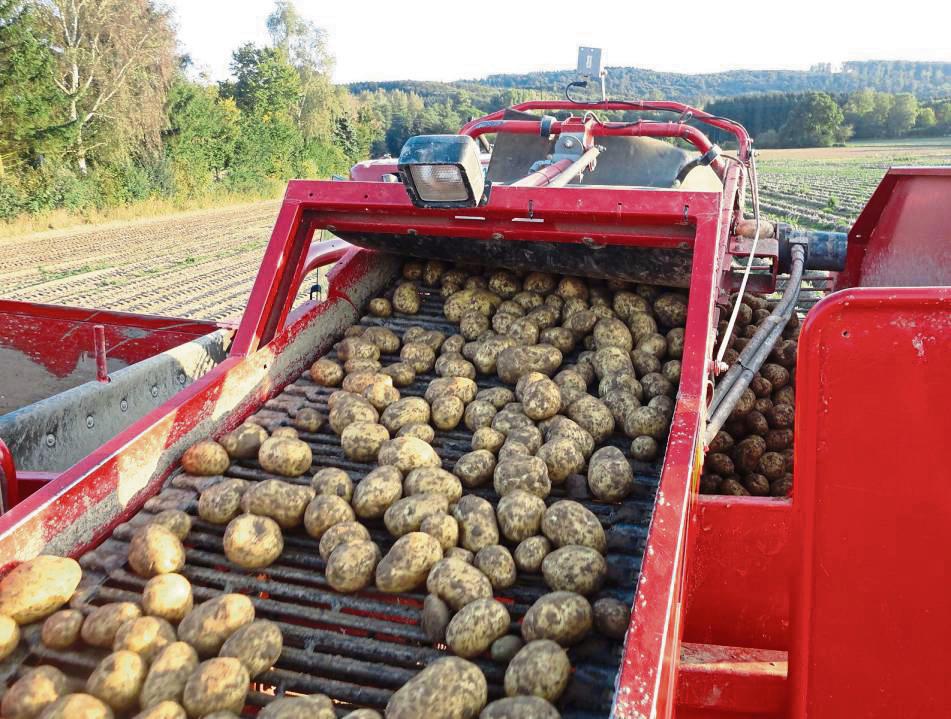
(265, 82)
(902, 114)
(202, 132)
(815, 122)
(112, 61)
(926, 118)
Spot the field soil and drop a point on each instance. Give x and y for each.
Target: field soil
(198, 264)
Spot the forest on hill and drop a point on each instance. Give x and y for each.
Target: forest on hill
(99, 109)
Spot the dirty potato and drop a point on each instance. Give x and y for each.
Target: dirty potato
(407, 454)
(315, 706)
(167, 596)
(514, 362)
(244, 442)
(574, 568)
(174, 520)
(541, 399)
(562, 458)
(610, 477)
(646, 421)
(257, 645)
(530, 553)
(520, 515)
(221, 502)
(444, 528)
(611, 617)
(407, 514)
(380, 307)
(496, 562)
(593, 416)
(117, 680)
(447, 412)
(541, 669)
(402, 373)
(568, 522)
(473, 629)
(477, 524)
(408, 562)
(146, 636)
(376, 492)
(82, 705)
(457, 583)
(207, 626)
(252, 541)
(421, 357)
(488, 439)
(205, 458)
(563, 617)
(36, 588)
(33, 692)
(449, 688)
(351, 565)
(102, 623)
(219, 684)
(155, 550)
(405, 411)
(475, 468)
(527, 473)
(61, 629)
(520, 707)
(339, 534)
(167, 675)
(281, 501)
(361, 441)
(285, 456)
(9, 636)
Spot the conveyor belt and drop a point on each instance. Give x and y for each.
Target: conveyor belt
(358, 648)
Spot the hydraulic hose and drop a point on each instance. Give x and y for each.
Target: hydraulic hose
(754, 355)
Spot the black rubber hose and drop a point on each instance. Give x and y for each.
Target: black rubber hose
(754, 355)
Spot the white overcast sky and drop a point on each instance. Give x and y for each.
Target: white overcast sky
(436, 40)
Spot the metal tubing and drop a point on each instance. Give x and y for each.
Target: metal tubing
(8, 488)
(99, 340)
(738, 378)
(560, 173)
(576, 167)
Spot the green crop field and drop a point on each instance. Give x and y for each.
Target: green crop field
(825, 188)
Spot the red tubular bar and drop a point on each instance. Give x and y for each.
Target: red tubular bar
(643, 128)
(744, 143)
(545, 175)
(99, 340)
(10, 494)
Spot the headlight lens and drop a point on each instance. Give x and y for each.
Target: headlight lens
(439, 183)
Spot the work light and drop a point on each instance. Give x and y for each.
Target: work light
(442, 171)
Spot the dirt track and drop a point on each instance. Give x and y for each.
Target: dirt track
(198, 264)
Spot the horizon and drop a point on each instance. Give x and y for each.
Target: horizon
(349, 37)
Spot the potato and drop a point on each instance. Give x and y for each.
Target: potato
(281, 501)
(530, 553)
(315, 706)
(217, 684)
(361, 441)
(403, 412)
(610, 477)
(163, 710)
(541, 400)
(593, 416)
(357, 381)
(257, 645)
(612, 332)
(207, 626)
(82, 705)
(495, 562)
(564, 428)
(520, 515)
(34, 691)
(574, 568)
(454, 365)
(473, 324)
(475, 468)
(478, 414)
(747, 453)
(528, 473)
(221, 502)
(244, 442)
(146, 636)
(155, 550)
(514, 362)
(421, 357)
(504, 283)
(408, 453)
(376, 492)
(457, 583)
(562, 458)
(102, 623)
(671, 309)
(512, 449)
(474, 627)
(325, 511)
(448, 688)
(253, 542)
(611, 617)
(407, 564)
(339, 534)
(540, 282)
(385, 339)
(646, 421)
(308, 419)
(412, 270)
(444, 528)
(61, 629)
(380, 307)
(447, 413)
(541, 669)
(9, 636)
(477, 523)
(563, 617)
(520, 707)
(567, 522)
(486, 354)
(504, 648)
(357, 348)
(117, 680)
(434, 618)
(205, 458)
(326, 373)
(644, 449)
(406, 515)
(166, 677)
(402, 373)
(572, 287)
(462, 388)
(174, 520)
(486, 438)
(286, 456)
(509, 419)
(36, 588)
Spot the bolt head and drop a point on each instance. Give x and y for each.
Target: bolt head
(123, 405)
(50, 440)
(154, 390)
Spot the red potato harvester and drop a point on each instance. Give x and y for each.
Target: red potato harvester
(829, 603)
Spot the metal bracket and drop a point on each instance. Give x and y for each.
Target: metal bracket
(316, 289)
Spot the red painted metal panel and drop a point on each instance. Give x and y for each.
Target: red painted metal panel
(739, 565)
(903, 236)
(730, 682)
(647, 679)
(871, 624)
(57, 337)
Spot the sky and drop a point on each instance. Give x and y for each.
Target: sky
(434, 40)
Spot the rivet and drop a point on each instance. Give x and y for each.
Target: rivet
(90, 422)
(181, 378)
(50, 440)
(154, 390)
(123, 405)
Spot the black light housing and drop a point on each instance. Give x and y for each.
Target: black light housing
(442, 171)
